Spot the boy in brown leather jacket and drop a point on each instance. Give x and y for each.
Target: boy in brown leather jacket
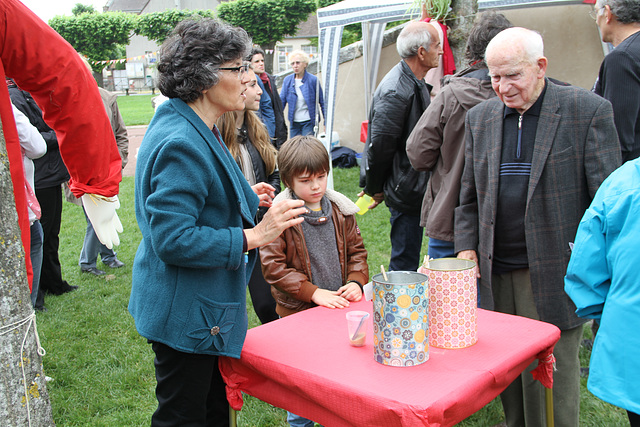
(323, 260)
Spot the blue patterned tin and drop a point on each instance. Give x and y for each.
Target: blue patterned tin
(401, 318)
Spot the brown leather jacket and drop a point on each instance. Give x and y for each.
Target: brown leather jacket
(286, 265)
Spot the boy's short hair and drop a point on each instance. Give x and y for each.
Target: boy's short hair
(302, 154)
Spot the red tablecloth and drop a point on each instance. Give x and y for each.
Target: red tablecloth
(304, 363)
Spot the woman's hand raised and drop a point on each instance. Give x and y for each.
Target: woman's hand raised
(265, 192)
(278, 218)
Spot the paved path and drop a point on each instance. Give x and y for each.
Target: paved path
(135, 138)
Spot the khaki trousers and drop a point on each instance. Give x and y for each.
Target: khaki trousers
(523, 401)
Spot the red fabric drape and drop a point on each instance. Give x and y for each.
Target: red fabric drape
(546, 365)
(45, 65)
(17, 172)
(448, 62)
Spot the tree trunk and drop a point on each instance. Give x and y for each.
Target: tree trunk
(269, 54)
(18, 345)
(460, 21)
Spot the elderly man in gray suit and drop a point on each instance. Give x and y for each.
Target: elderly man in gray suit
(534, 158)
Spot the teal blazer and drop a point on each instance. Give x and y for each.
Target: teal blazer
(192, 202)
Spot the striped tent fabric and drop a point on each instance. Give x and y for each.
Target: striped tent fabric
(373, 14)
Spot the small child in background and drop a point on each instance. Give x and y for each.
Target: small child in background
(321, 261)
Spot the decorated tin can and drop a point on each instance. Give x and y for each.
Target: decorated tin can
(400, 318)
(453, 300)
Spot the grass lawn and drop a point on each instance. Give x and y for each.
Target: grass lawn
(103, 370)
(136, 109)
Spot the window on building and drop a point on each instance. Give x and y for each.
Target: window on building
(310, 50)
(283, 58)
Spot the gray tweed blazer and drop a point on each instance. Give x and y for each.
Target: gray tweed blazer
(576, 148)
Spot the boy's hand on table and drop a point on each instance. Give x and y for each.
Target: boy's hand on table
(351, 291)
(329, 299)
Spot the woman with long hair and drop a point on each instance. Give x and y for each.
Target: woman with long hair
(248, 142)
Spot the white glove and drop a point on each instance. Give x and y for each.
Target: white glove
(101, 211)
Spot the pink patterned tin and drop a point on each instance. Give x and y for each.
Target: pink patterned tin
(453, 302)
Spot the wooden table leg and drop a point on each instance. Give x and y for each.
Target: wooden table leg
(548, 394)
(233, 417)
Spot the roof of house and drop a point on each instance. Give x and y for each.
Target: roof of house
(306, 29)
(129, 6)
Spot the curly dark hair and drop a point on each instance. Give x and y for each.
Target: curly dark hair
(488, 24)
(191, 57)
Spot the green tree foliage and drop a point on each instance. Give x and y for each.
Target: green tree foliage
(104, 36)
(158, 25)
(79, 9)
(351, 33)
(98, 36)
(267, 21)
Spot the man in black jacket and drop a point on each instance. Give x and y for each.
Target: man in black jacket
(269, 82)
(50, 173)
(397, 105)
(619, 77)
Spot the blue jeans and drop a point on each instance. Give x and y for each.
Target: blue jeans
(37, 237)
(440, 249)
(91, 247)
(298, 421)
(406, 241)
(301, 128)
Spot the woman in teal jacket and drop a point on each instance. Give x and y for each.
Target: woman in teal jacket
(602, 280)
(196, 214)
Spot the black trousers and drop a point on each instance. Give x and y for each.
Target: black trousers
(50, 200)
(634, 419)
(190, 390)
(263, 303)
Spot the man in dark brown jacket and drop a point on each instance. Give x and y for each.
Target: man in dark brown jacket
(437, 142)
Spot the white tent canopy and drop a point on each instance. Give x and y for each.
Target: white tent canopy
(374, 14)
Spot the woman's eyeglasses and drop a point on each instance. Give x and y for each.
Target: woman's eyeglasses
(240, 70)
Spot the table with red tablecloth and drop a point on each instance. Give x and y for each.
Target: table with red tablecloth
(304, 364)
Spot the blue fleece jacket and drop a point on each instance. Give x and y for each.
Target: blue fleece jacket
(308, 89)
